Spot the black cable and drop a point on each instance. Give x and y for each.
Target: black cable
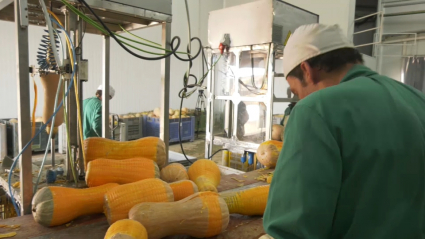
(188, 59)
(216, 153)
(111, 34)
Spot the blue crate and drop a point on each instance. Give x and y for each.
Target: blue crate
(151, 128)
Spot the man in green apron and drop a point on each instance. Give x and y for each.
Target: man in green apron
(353, 162)
(92, 113)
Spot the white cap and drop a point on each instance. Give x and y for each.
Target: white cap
(111, 90)
(312, 40)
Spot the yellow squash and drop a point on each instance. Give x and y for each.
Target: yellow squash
(174, 172)
(121, 199)
(102, 171)
(268, 153)
(149, 147)
(205, 174)
(183, 189)
(201, 215)
(250, 202)
(126, 229)
(52, 206)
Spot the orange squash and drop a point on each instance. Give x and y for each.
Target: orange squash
(250, 202)
(201, 215)
(52, 206)
(277, 132)
(205, 174)
(148, 147)
(126, 229)
(119, 200)
(183, 189)
(102, 171)
(268, 153)
(174, 172)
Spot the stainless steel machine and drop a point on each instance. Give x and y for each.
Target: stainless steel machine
(246, 42)
(130, 14)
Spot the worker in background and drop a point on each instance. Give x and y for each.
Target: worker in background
(243, 118)
(288, 110)
(353, 162)
(92, 110)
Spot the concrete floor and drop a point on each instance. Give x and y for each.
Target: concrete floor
(197, 148)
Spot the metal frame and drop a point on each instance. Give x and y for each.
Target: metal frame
(165, 86)
(391, 9)
(109, 10)
(141, 14)
(268, 99)
(280, 22)
(24, 118)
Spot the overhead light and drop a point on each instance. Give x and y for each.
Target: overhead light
(153, 23)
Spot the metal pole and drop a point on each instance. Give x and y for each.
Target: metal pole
(105, 83)
(164, 131)
(70, 20)
(79, 54)
(270, 91)
(52, 150)
(210, 106)
(72, 116)
(24, 120)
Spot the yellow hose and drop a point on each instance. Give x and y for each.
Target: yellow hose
(75, 87)
(34, 109)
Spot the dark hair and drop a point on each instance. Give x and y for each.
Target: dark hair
(330, 61)
(99, 93)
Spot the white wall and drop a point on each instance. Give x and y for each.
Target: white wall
(339, 12)
(137, 82)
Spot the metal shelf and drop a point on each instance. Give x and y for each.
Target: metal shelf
(130, 14)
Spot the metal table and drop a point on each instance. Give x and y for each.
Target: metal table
(95, 226)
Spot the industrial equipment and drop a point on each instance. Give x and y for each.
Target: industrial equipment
(247, 40)
(119, 16)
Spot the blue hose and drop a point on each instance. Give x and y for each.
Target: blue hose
(43, 126)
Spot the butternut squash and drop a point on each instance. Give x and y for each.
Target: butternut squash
(50, 84)
(183, 189)
(205, 174)
(149, 147)
(126, 229)
(277, 132)
(250, 202)
(268, 153)
(269, 179)
(119, 200)
(174, 172)
(102, 171)
(52, 206)
(201, 215)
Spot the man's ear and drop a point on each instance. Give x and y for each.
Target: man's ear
(310, 74)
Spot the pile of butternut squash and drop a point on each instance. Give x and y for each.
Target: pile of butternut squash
(126, 184)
